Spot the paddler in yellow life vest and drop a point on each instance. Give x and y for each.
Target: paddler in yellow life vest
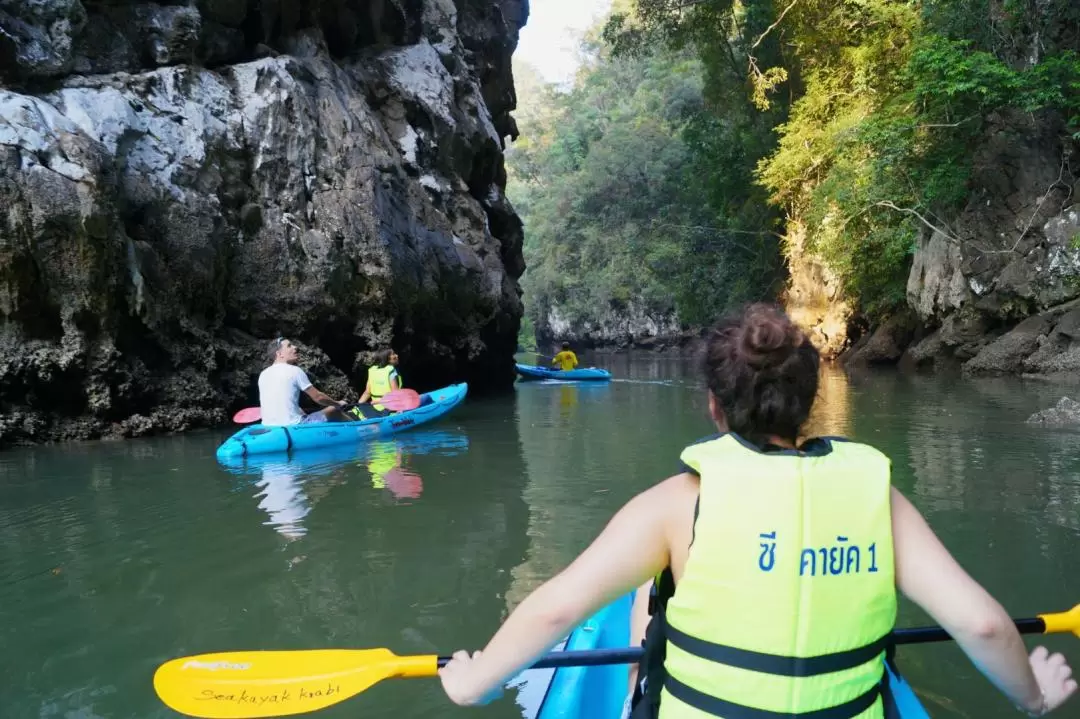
(382, 379)
(781, 563)
(566, 359)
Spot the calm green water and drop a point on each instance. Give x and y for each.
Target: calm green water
(116, 557)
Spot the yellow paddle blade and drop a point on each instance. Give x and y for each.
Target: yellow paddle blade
(237, 685)
(1063, 621)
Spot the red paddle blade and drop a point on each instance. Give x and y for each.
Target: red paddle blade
(400, 400)
(248, 414)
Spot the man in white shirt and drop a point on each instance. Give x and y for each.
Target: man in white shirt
(280, 386)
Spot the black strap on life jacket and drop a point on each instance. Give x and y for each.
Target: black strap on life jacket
(774, 663)
(645, 703)
(730, 710)
(892, 709)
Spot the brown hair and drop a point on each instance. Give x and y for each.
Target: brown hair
(763, 371)
(382, 357)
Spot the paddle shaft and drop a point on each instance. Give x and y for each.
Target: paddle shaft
(921, 635)
(632, 655)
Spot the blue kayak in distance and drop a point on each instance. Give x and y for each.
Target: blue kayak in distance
(532, 371)
(600, 692)
(258, 439)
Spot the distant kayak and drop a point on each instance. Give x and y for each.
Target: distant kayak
(530, 371)
(258, 439)
(599, 692)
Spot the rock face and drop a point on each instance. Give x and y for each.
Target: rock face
(1066, 411)
(993, 290)
(998, 279)
(625, 327)
(813, 294)
(886, 344)
(181, 183)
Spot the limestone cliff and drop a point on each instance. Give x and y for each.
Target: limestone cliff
(997, 285)
(624, 327)
(994, 290)
(182, 181)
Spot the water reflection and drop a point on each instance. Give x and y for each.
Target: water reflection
(290, 485)
(284, 500)
(384, 463)
(567, 400)
(831, 412)
(588, 448)
(674, 367)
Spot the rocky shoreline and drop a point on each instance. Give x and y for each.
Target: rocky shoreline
(1046, 344)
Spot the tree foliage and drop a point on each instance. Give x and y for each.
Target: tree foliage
(633, 192)
(864, 114)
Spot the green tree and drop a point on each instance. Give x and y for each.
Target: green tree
(633, 191)
(862, 116)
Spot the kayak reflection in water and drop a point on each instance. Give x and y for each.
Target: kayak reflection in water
(777, 565)
(567, 400)
(384, 463)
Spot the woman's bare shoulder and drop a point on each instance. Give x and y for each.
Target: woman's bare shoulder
(677, 495)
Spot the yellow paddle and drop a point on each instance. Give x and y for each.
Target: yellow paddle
(242, 685)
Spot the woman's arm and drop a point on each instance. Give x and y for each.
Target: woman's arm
(366, 395)
(931, 577)
(632, 548)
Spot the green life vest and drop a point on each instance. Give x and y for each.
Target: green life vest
(788, 596)
(379, 381)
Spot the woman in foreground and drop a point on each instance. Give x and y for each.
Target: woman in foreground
(781, 564)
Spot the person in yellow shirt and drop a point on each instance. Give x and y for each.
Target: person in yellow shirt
(565, 359)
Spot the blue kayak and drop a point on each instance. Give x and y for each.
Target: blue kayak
(599, 692)
(258, 439)
(531, 371)
(325, 460)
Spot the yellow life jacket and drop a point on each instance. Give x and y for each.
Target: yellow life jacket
(379, 380)
(788, 597)
(566, 360)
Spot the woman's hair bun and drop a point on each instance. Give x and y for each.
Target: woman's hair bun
(763, 371)
(768, 336)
